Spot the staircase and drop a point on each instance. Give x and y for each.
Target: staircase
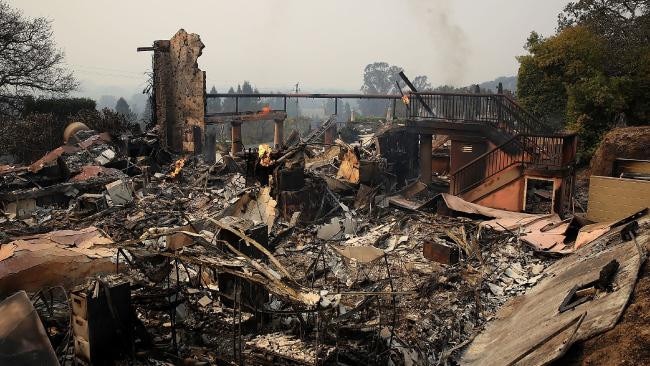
(315, 134)
(523, 142)
(517, 154)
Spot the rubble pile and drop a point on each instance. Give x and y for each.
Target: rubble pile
(268, 347)
(300, 256)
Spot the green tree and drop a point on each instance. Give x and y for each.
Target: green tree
(213, 104)
(122, 108)
(229, 103)
(623, 24)
(378, 78)
(293, 108)
(248, 104)
(300, 124)
(594, 72)
(147, 112)
(328, 107)
(60, 108)
(29, 60)
(422, 84)
(594, 105)
(553, 64)
(609, 18)
(342, 108)
(347, 112)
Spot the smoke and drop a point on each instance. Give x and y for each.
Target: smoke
(448, 40)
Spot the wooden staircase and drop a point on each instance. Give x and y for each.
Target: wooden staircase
(506, 163)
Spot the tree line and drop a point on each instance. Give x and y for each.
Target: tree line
(594, 73)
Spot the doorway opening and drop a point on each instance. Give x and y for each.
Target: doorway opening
(539, 195)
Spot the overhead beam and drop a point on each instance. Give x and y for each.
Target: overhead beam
(216, 118)
(412, 87)
(304, 95)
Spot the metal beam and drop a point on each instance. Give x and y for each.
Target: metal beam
(304, 95)
(412, 87)
(213, 118)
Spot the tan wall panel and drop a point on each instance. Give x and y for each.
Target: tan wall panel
(614, 198)
(630, 166)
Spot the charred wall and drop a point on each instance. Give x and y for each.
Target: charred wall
(179, 87)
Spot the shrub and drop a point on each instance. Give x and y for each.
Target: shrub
(60, 108)
(31, 136)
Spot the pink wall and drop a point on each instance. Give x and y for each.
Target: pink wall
(510, 197)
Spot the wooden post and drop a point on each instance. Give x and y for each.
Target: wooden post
(425, 158)
(237, 145)
(278, 136)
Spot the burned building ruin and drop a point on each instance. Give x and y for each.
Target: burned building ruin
(446, 229)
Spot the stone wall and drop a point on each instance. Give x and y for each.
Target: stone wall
(179, 87)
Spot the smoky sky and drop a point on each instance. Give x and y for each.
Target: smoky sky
(323, 45)
(445, 36)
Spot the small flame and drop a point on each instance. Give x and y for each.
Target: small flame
(264, 153)
(406, 99)
(266, 109)
(178, 166)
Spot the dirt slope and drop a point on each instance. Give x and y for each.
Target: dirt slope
(626, 142)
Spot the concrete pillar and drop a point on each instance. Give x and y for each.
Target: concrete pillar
(425, 158)
(330, 135)
(210, 150)
(237, 145)
(197, 139)
(278, 135)
(179, 89)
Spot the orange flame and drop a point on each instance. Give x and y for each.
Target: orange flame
(264, 153)
(178, 166)
(406, 99)
(266, 109)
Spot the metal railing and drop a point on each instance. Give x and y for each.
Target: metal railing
(496, 110)
(529, 141)
(532, 150)
(282, 98)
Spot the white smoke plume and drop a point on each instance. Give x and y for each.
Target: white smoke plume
(448, 40)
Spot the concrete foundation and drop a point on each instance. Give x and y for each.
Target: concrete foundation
(210, 150)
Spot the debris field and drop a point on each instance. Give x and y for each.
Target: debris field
(401, 248)
(310, 268)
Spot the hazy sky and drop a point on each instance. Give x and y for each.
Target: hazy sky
(275, 43)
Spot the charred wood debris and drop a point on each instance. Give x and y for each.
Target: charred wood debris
(305, 255)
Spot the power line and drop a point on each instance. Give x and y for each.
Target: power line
(107, 69)
(131, 77)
